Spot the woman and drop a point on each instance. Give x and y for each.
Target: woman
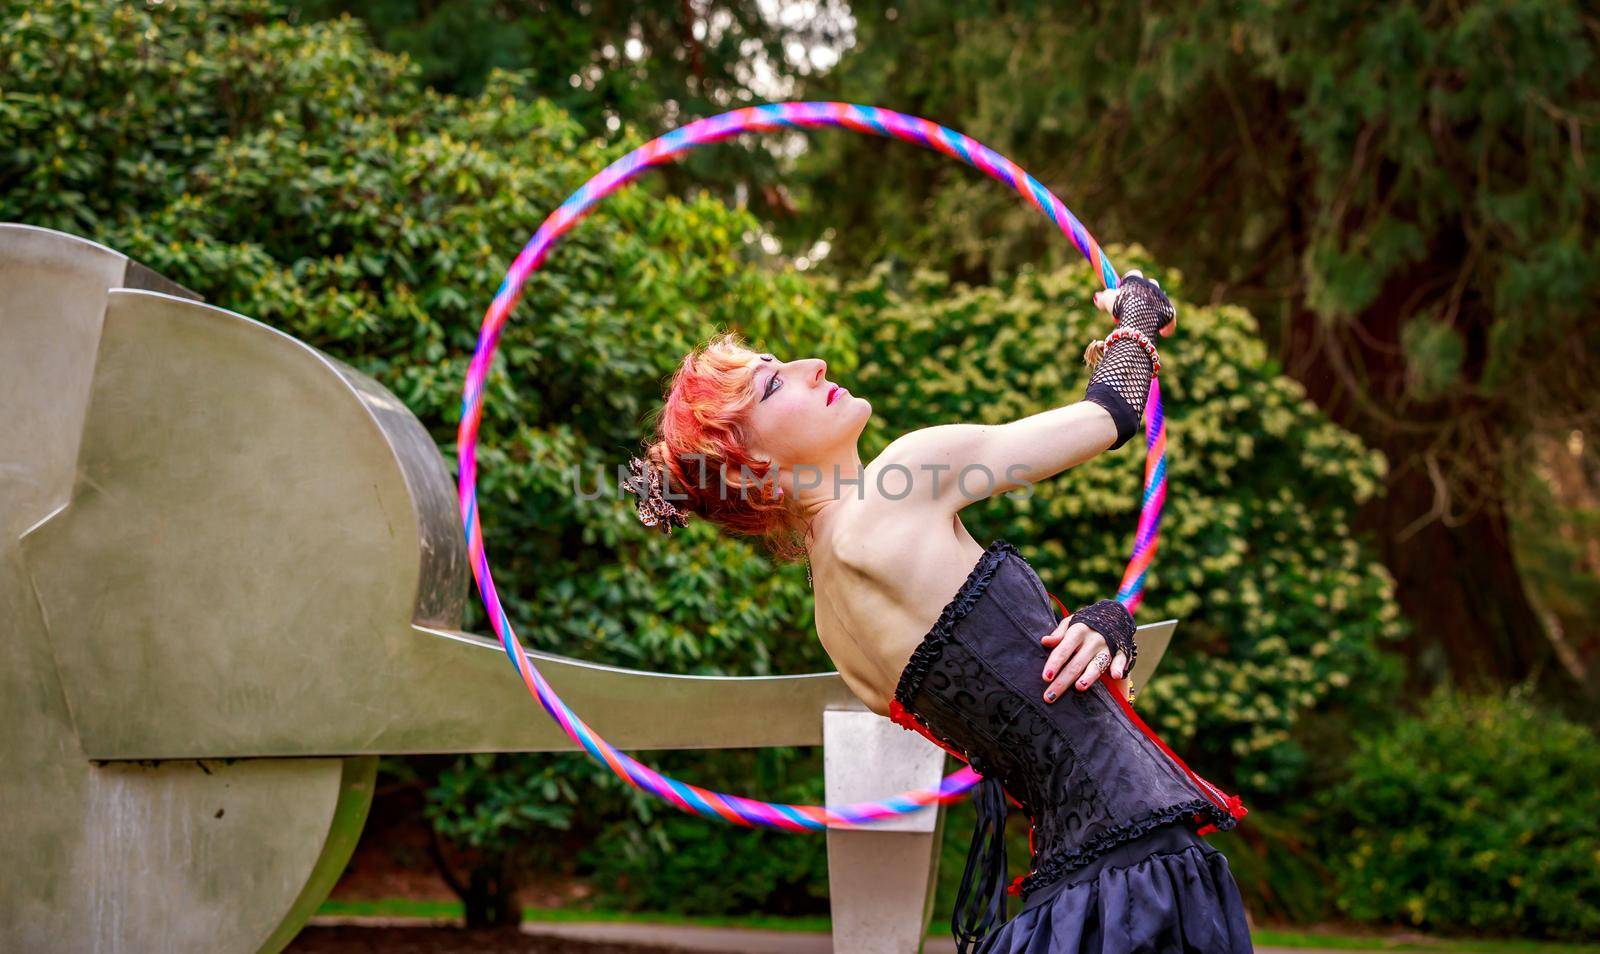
(767, 448)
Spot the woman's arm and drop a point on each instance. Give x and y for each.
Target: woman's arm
(952, 466)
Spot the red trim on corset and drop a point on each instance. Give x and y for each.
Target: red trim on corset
(903, 717)
(1216, 796)
(1228, 803)
(1231, 804)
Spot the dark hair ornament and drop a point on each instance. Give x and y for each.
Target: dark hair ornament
(653, 507)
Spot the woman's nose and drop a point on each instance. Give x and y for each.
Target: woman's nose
(822, 369)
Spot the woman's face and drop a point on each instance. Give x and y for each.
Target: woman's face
(799, 416)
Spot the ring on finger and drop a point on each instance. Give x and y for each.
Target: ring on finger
(1100, 661)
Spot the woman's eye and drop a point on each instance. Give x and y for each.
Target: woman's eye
(772, 384)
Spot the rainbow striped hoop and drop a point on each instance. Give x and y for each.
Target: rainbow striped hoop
(865, 119)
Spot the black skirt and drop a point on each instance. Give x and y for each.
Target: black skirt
(1166, 891)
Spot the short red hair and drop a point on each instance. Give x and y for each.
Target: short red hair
(700, 435)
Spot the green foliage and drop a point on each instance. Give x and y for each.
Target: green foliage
(1277, 862)
(488, 801)
(1434, 355)
(1477, 815)
(683, 58)
(333, 197)
(1555, 523)
(1355, 174)
(668, 861)
(1338, 144)
(1283, 612)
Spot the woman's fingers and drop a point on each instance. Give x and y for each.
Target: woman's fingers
(1055, 635)
(1098, 664)
(1119, 665)
(1085, 666)
(1106, 300)
(1070, 672)
(1069, 638)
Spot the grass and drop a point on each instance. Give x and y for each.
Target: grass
(401, 908)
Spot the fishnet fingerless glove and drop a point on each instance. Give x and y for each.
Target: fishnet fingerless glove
(1121, 381)
(1113, 621)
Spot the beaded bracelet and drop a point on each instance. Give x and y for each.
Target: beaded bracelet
(1134, 334)
(1097, 349)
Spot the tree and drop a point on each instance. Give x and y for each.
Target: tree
(1403, 193)
(654, 65)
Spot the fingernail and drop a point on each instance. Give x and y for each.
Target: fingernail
(1050, 697)
(1048, 673)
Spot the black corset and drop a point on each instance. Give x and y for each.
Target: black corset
(1084, 769)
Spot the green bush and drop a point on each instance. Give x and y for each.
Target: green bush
(1480, 814)
(669, 861)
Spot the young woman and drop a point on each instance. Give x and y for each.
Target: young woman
(768, 448)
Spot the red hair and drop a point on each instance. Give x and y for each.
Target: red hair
(701, 437)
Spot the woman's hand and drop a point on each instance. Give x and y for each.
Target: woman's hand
(1079, 657)
(1106, 300)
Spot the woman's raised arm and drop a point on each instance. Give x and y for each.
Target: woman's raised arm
(951, 466)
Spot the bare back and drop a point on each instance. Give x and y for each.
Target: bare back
(880, 582)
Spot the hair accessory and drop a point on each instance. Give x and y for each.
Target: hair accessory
(654, 508)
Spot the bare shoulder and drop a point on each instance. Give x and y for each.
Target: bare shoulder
(869, 529)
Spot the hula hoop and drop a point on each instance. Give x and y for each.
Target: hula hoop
(864, 119)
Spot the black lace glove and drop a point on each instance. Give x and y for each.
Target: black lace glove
(1113, 621)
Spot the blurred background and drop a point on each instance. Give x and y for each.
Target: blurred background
(1383, 525)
